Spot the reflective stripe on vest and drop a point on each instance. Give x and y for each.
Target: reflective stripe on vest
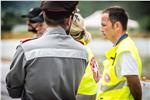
(117, 86)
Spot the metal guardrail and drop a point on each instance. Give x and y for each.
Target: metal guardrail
(145, 90)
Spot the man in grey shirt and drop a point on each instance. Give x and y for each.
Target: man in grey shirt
(50, 67)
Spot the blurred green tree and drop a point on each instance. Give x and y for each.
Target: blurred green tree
(145, 24)
(9, 19)
(138, 10)
(11, 12)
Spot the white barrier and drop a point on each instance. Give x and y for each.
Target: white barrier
(145, 90)
(98, 46)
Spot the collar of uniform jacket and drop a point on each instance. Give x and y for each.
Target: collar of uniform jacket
(54, 30)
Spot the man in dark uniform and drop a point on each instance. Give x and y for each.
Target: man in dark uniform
(50, 67)
(35, 18)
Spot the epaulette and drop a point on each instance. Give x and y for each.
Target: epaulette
(25, 40)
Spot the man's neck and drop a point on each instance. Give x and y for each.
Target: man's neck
(117, 37)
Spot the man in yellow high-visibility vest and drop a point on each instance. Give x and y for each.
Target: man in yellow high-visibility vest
(122, 67)
(88, 86)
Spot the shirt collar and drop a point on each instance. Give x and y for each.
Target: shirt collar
(121, 38)
(55, 30)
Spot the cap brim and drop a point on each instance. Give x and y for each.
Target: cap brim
(37, 19)
(26, 16)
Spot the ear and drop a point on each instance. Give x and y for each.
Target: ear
(68, 21)
(67, 24)
(117, 26)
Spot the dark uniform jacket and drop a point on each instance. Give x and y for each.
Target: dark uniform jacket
(47, 68)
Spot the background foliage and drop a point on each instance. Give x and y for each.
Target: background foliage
(138, 10)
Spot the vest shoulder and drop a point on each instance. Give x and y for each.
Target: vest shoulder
(126, 45)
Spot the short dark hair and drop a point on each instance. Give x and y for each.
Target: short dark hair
(53, 21)
(117, 13)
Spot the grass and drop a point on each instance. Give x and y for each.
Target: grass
(19, 35)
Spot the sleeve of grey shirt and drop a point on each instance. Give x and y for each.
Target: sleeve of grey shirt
(16, 75)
